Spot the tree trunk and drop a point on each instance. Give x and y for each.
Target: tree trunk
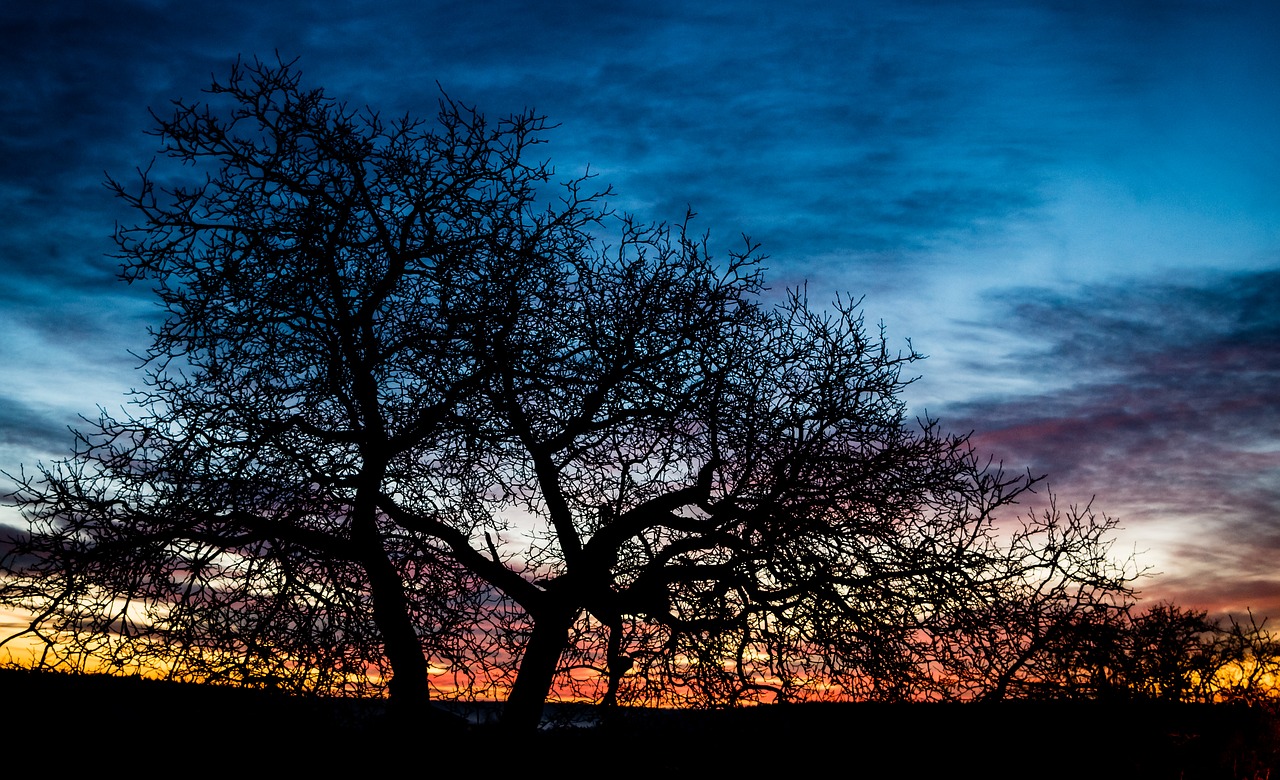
(523, 710)
(409, 691)
(408, 688)
(618, 664)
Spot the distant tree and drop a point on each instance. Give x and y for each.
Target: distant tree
(407, 411)
(1161, 653)
(1251, 662)
(1172, 654)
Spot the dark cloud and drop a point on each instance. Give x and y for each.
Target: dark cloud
(10, 538)
(818, 128)
(1166, 409)
(27, 426)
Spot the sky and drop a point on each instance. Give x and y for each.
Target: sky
(1071, 207)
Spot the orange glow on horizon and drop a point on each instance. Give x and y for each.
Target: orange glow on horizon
(582, 679)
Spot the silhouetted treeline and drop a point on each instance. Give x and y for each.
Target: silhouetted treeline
(1164, 653)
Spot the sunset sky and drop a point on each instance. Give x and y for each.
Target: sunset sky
(1072, 207)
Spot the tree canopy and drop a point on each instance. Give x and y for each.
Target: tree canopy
(413, 415)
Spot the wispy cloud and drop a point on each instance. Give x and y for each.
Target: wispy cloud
(1165, 408)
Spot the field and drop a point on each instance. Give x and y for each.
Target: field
(68, 724)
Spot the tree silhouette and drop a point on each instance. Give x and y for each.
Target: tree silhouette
(406, 410)
(1034, 617)
(1173, 654)
(1103, 648)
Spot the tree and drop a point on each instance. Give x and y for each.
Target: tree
(1036, 617)
(406, 411)
(1169, 653)
(1093, 644)
(1251, 662)
(1172, 654)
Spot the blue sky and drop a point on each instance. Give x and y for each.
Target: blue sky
(1070, 206)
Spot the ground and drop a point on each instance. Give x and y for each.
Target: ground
(69, 723)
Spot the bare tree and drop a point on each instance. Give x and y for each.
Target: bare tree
(1043, 603)
(1102, 646)
(407, 411)
(1250, 670)
(1172, 654)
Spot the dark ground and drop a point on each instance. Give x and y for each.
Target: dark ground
(61, 725)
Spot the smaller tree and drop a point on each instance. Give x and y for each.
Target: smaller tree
(1251, 672)
(1172, 654)
(1040, 604)
(1164, 653)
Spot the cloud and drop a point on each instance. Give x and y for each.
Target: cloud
(1165, 407)
(23, 424)
(868, 133)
